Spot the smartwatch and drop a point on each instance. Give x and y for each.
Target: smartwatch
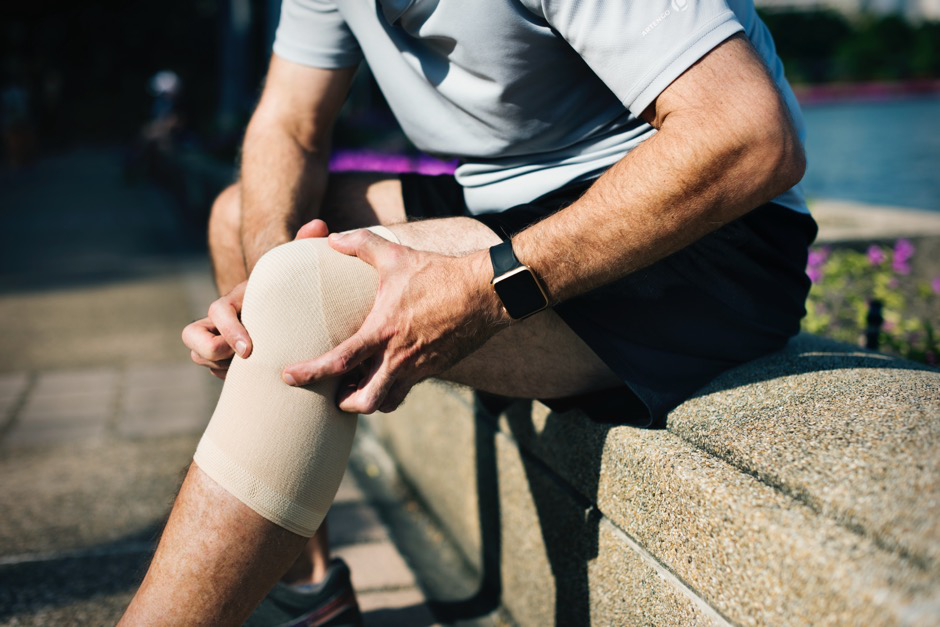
(515, 284)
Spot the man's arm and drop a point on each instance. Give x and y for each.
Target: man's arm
(286, 151)
(284, 175)
(725, 146)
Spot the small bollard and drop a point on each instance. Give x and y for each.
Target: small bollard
(874, 320)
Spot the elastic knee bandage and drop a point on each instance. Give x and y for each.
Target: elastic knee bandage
(282, 450)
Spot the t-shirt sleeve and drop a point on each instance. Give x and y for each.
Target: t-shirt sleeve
(639, 47)
(313, 33)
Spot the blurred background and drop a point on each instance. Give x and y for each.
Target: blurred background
(121, 121)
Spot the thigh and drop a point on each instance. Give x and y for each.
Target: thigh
(359, 199)
(539, 357)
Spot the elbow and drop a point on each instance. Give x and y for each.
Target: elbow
(781, 157)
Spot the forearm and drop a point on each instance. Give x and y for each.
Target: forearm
(660, 198)
(719, 153)
(283, 183)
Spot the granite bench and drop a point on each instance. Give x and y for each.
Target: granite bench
(803, 488)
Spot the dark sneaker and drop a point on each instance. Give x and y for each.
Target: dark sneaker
(330, 602)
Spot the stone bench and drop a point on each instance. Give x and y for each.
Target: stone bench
(803, 488)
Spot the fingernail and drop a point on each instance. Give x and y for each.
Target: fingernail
(336, 236)
(289, 379)
(240, 347)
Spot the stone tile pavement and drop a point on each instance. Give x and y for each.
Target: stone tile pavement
(144, 411)
(100, 409)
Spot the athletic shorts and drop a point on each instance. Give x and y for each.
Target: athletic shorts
(668, 329)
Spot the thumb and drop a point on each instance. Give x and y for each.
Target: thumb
(361, 243)
(314, 228)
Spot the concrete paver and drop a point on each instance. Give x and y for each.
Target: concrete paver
(355, 523)
(12, 387)
(166, 399)
(396, 608)
(377, 566)
(100, 409)
(65, 406)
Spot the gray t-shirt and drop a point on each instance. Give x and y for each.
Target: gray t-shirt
(528, 94)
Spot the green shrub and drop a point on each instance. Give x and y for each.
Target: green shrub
(845, 282)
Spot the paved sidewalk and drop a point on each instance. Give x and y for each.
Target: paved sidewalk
(843, 220)
(100, 409)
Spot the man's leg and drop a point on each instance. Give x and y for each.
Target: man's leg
(216, 560)
(218, 557)
(362, 199)
(352, 200)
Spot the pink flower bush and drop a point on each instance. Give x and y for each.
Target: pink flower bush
(876, 256)
(814, 262)
(903, 251)
(845, 281)
(372, 161)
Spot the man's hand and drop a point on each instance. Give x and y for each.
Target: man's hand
(214, 340)
(430, 311)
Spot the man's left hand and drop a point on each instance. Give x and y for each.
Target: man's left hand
(430, 311)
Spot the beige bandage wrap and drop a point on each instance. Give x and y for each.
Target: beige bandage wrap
(282, 450)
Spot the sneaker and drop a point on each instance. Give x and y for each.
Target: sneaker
(330, 602)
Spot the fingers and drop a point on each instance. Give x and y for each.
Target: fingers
(340, 360)
(314, 228)
(224, 315)
(370, 393)
(212, 364)
(203, 340)
(395, 397)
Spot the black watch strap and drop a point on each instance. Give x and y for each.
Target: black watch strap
(503, 258)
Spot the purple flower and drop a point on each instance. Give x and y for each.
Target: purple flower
(935, 285)
(876, 256)
(903, 250)
(814, 274)
(900, 266)
(371, 161)
(817, 257)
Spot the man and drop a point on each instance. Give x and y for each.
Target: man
(628, 182)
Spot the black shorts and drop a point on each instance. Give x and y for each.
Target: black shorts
(668, 329)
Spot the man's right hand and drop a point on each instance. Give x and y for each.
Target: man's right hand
(214, 340)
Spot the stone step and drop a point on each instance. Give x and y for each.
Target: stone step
(798, 489)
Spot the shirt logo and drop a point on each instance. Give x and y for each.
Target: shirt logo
(678, 6)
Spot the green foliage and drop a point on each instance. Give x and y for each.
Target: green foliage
(821, 46)
(846, 281)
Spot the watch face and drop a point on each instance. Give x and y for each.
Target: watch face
(520, 293)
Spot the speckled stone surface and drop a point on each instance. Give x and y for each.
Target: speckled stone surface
(797, 490)
(558, 561)
(562, 565)
(750, 551)
(434, 414)
(853, 435)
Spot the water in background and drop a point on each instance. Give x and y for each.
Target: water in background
(885, 153)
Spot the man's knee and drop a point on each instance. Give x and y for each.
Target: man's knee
(280, 449)
(225, 217)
